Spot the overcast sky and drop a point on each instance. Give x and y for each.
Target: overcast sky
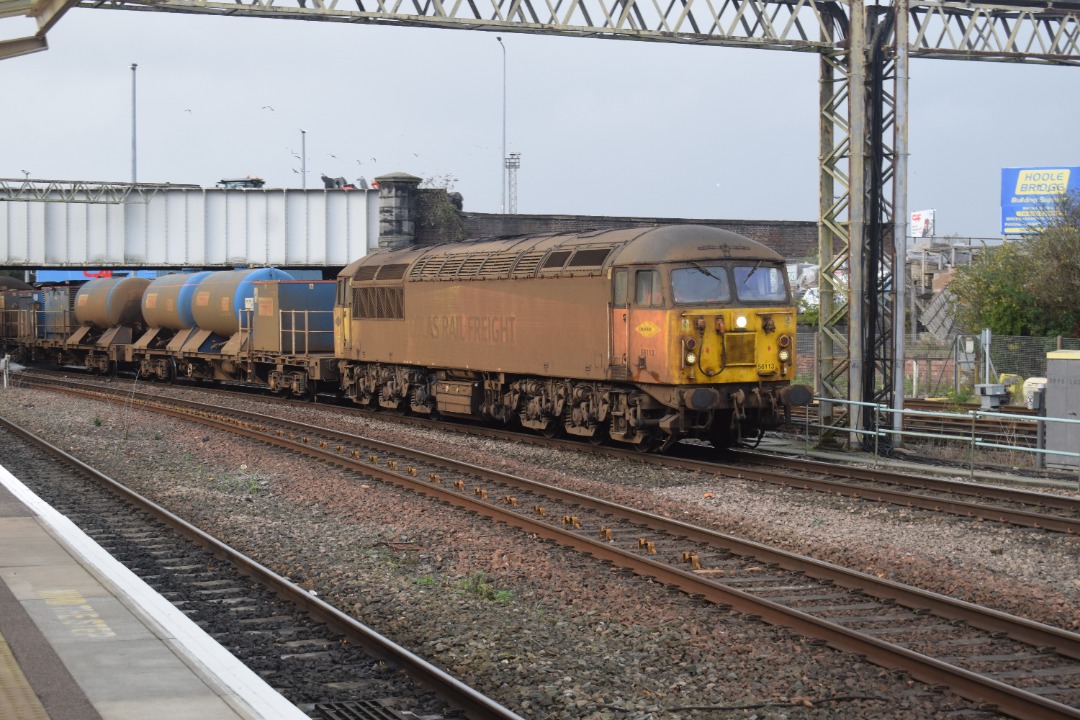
(603, 127)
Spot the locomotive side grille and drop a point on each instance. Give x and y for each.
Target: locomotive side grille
(378, 303)
(740, 348)
(528, 263)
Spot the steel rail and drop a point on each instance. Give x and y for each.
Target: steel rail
(1018, 517)
(1059, 502)
(472, 703)
(1006, 698)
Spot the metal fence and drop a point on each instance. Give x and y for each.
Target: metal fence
(936, 367)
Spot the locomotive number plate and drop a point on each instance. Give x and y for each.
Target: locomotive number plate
(766, 367)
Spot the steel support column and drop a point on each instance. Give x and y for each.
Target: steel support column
(900, 211)
(863, 169)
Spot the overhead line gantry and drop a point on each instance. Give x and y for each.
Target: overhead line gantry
(863, 111)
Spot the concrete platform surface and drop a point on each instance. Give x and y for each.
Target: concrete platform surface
(83, 638)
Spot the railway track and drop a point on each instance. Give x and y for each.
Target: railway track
(964, 498)
(328, 664)
(992, 503)
(1016, 666)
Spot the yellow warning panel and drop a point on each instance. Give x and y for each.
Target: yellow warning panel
(17, 698)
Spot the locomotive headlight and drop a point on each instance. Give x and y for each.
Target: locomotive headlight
(740, 322)
(691, 358)
(784, 356)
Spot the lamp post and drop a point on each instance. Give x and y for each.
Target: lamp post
(134, 156)
(502, 159)
(303, 159)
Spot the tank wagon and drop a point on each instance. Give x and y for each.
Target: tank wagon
(254, 326)
(637, 336)
(641, 336)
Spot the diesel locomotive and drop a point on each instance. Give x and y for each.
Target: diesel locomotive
(639, 337)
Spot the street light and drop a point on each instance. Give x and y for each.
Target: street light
(303, 159)
(502, 158)
(133, 154)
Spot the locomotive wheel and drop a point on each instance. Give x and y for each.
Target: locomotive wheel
(722, 435)
(650, 444)
(600, 434)
(553, 430)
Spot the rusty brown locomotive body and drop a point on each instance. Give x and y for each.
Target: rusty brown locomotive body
(637, 336)
(640, 336)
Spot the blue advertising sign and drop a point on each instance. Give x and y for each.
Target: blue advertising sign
(1030, 195)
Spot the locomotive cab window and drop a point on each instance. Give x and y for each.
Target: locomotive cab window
(619, 296)
(700, 284)
(648, 292)
(761, 283)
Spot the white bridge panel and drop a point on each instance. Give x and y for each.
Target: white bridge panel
(193, 228)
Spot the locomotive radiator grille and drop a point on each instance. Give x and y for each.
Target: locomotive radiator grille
(740, 348)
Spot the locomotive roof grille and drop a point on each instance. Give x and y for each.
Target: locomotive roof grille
(427, 267)
(567, 255)
(556, 260)
(527, 264)
(393, 272)
(498, 265)
(453, 265)
(589, 258)
(471, 266)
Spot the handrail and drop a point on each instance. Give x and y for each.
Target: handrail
(972, 439)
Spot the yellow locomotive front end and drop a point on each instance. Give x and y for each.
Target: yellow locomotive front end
(708, 332)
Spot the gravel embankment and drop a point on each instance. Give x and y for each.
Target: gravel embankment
(549, 633)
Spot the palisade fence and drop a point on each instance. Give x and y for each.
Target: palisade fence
(936, 367)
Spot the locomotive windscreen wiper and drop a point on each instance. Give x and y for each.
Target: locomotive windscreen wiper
(708, 272)
(751, 273)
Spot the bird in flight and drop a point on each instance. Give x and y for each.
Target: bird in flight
(267, 107)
